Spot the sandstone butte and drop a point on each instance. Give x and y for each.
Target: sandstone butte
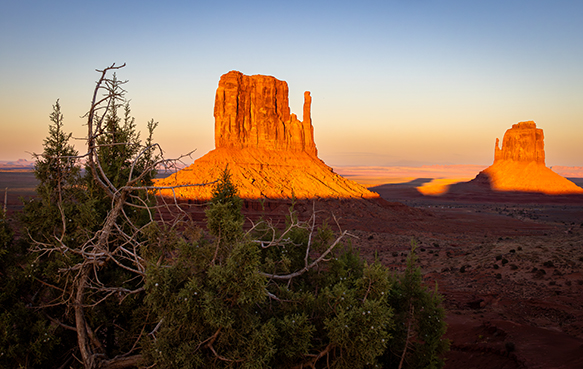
(520, 164)
(269, 152)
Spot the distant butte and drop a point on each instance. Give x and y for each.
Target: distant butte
(269, 152)
(520, 164)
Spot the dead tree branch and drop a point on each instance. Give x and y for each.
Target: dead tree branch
(310, 225)
(117, 242)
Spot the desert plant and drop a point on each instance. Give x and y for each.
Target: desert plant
(59, 208)
(224, 218)
(539, 273)
(549, 264)
(87, 232)
(27, 338)
(30, 337)
(416, 341)
(268, 301)
(509, 346)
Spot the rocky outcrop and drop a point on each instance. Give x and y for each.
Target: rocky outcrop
(268, 151)
(253, 112)
(522, 143)
(520, 164)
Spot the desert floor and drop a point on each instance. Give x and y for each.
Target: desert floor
(510, 268)
(509, 265)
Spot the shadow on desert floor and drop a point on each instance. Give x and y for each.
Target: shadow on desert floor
(478, 190)
(418, 182)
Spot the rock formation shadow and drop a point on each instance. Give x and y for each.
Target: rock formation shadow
(370, 214)
(519, 174)
(480, 189)
(416, 182)
(398, 191)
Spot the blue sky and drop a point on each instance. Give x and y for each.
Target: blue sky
(393, 82)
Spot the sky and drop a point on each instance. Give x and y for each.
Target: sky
(404, 82)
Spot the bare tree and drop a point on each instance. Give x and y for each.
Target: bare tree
(117, 242)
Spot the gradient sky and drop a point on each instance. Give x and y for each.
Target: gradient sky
(406, 82)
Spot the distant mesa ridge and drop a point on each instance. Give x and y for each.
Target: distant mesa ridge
(20, 165)
(519, 165)
(269, 152)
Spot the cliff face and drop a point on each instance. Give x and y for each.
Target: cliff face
(268, 151)
(253, 112)
(522, 143)
(520, 164)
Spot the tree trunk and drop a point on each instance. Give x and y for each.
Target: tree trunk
(80, 322)
(124, 362)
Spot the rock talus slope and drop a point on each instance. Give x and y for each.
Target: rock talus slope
(520, 164)
(269, 152)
